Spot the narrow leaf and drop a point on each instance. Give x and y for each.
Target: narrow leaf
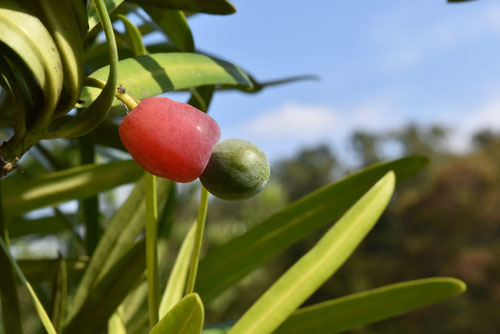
(108, 292)
(134, 35)
(201, 97)
(88, 119)
(20, 227)
(155, 74)
(93, 17)
(123, 229)
(257, 86)
(177, 279)
(116, 325)
(227, 264)
(174, 25)
(317, 265)
(59, 295)
(338, 315)
(9, 298)
(42, 314)
(74, 183)
(186, 317)
(38, 270)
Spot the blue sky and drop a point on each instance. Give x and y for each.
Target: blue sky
(382, 64)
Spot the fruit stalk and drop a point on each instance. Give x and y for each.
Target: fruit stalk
(152, 247)
(200, 226)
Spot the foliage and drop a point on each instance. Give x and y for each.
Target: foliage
(65, 75)
(443, 222)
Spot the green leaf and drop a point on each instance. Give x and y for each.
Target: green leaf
(37, 270)
(177, 279)
(93, 17)
(310, 272)
(186, 317)
(14, 87)
(123, 229)
(79, 8)
(20, 227)
(201, 97)
(155, 74)
(227, 264)
(9, 298)
(219, 329)
(108, 292)
(134, 35)
(59, 295)
(221, 7)
(258, 86)
(74, 183)
(95, 56)
(116, 325)
(88, 119)
(24, 35)
(174, 25)
(42, 314)
(338, 315)
(135, 310)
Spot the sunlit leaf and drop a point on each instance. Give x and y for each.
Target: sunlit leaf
(186, 317)
(338, 315)
(155, 74)
(108, 292)
(177, 279)
(123, 229)
(313, 269)
(42, 314)
(74, 183)
(227, 264)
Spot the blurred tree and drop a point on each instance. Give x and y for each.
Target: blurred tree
(366, 146)
(305, 172)
(485, 137)
(429, 141)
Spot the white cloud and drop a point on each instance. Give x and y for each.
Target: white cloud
(285, 129)
(317, 122)
(485, 116)
(293, 125)
(292, 119)
(408, 48)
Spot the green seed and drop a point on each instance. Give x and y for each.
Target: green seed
(237, 170)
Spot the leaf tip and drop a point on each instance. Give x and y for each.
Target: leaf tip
(460, 286)
(389, 179)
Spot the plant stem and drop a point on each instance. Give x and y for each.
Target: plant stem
(200, 226)
(120, 92)
(152, 247)
(11, 311)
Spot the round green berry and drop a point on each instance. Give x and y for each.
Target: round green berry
(237, 170)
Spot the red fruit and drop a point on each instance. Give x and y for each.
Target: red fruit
(169, 139)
